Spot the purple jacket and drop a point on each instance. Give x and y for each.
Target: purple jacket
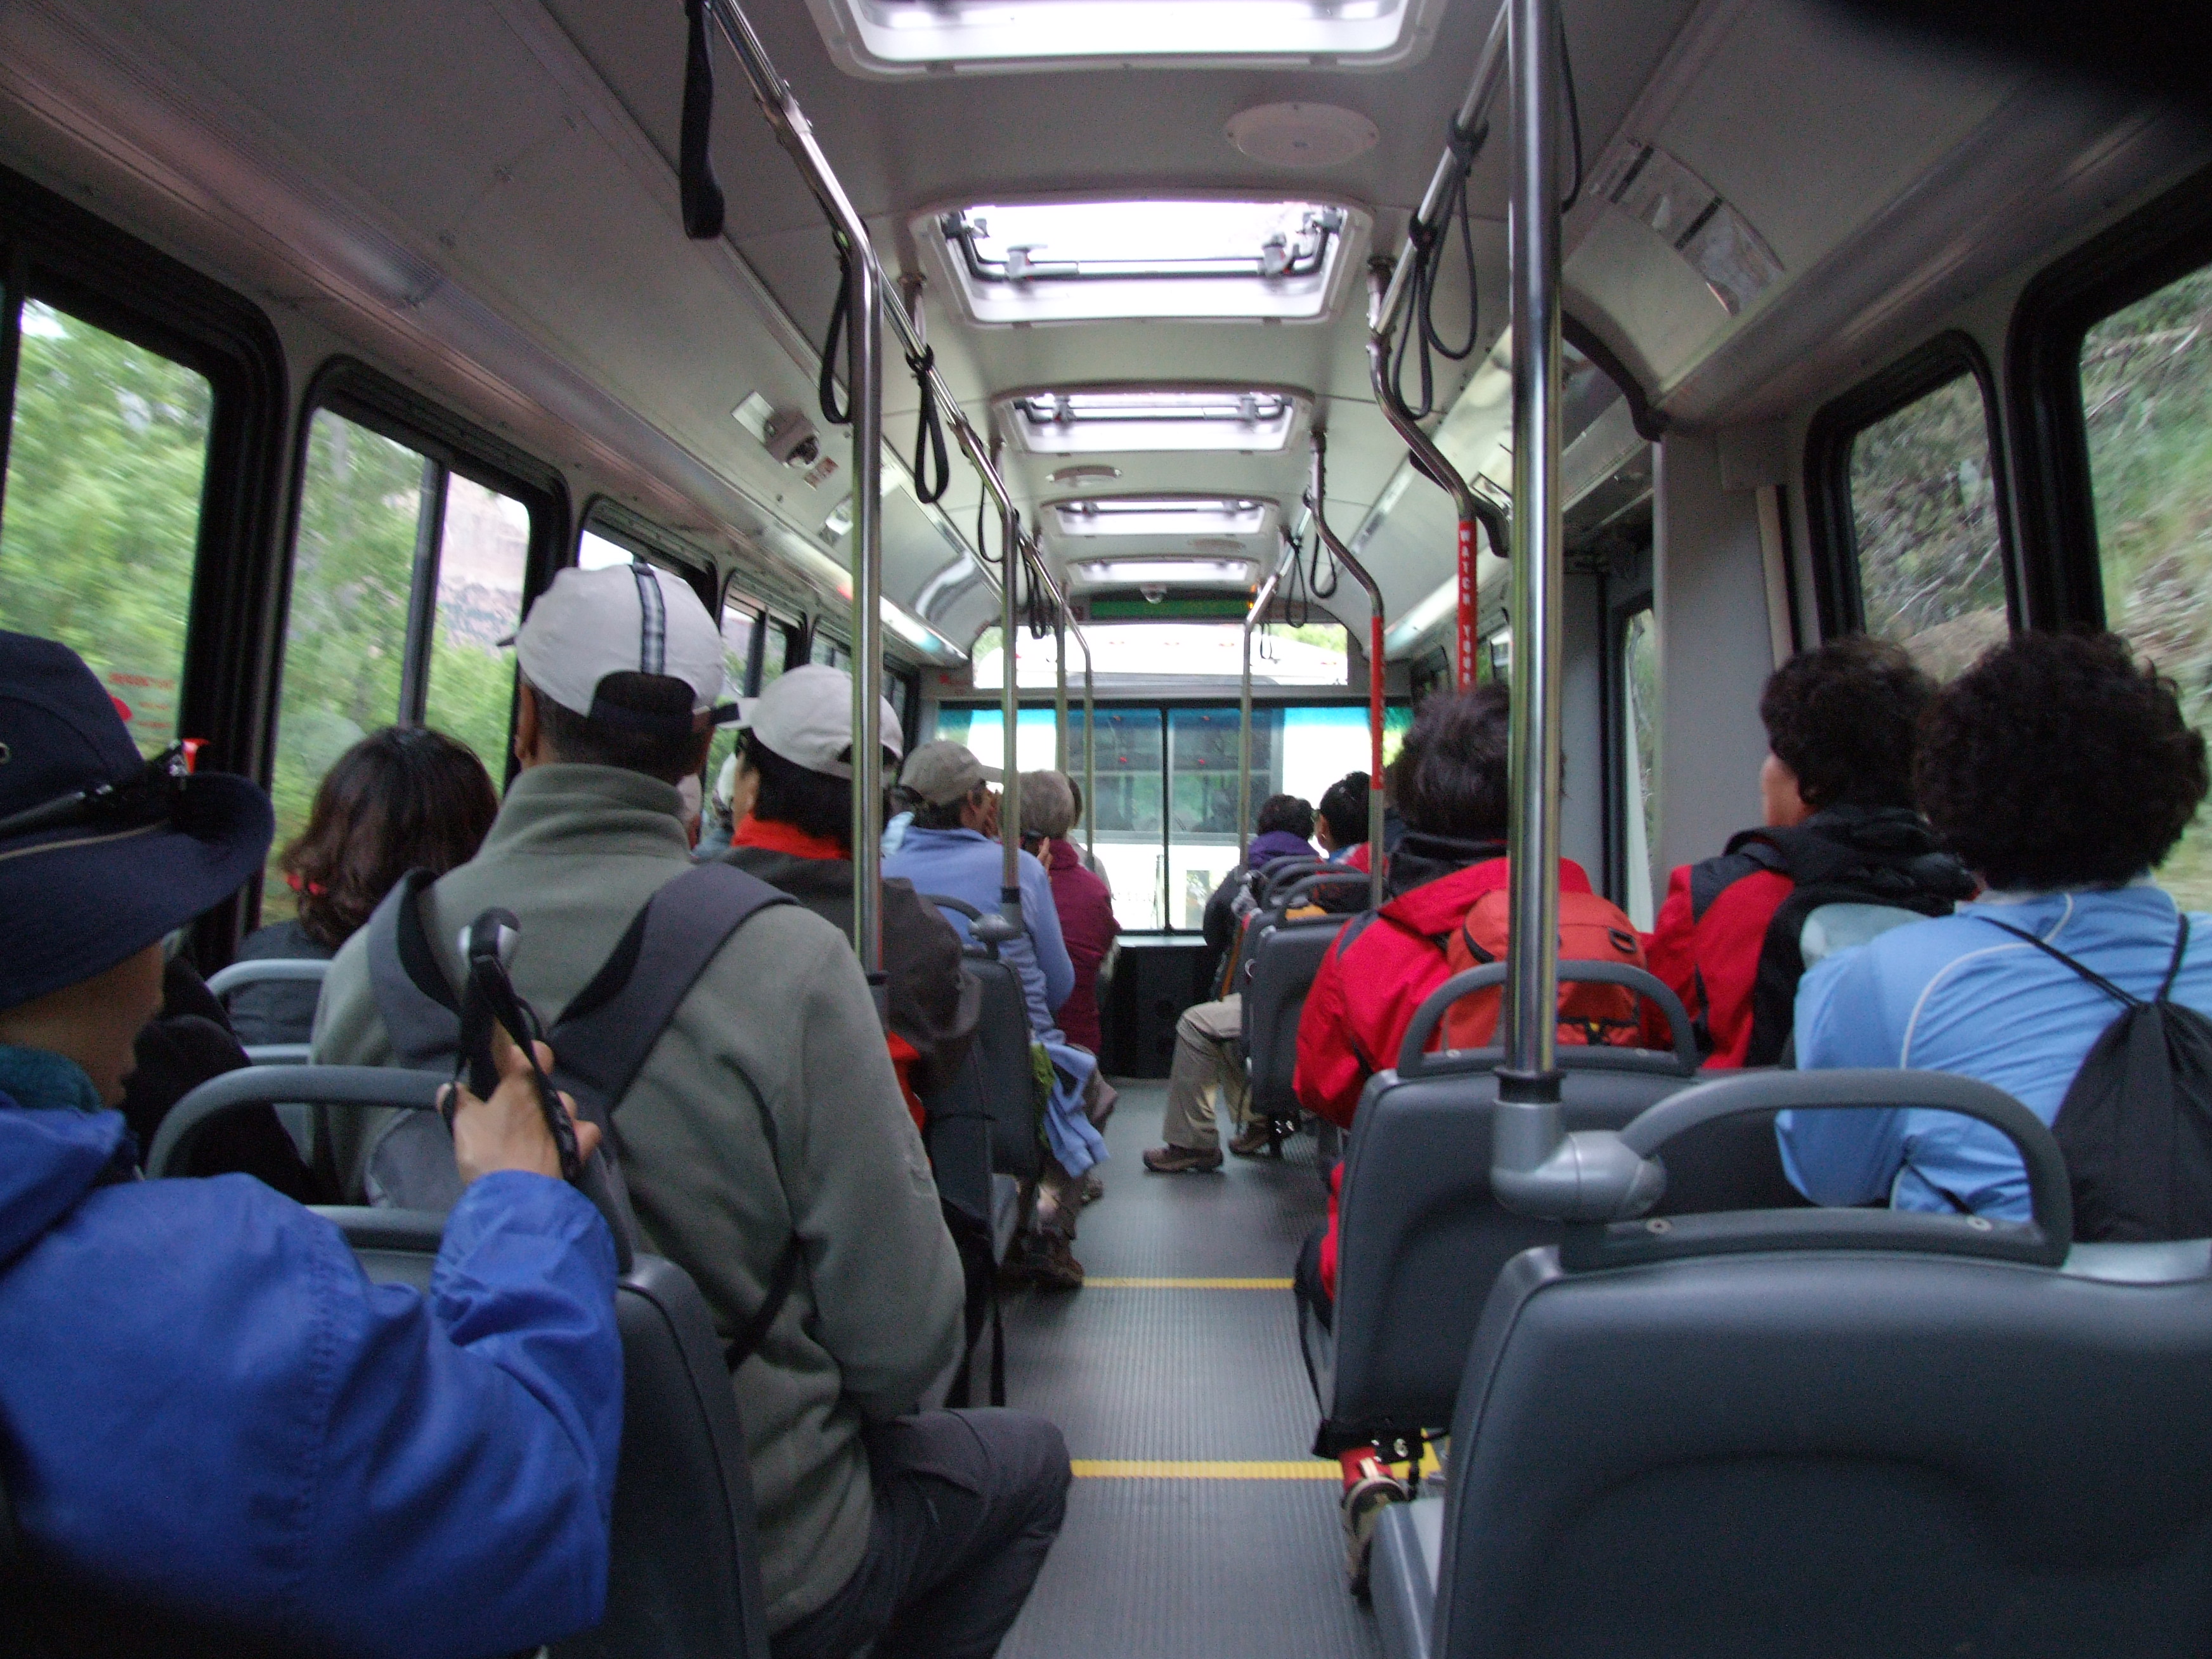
(1087, 925)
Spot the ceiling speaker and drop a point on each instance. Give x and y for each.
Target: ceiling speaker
(1301, 135)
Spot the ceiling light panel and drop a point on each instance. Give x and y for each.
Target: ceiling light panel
(1163, 515)
(898, 39)
(1217, 420)
(1197, 259)
(1171, 572)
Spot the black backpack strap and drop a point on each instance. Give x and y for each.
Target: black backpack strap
(2125, 999)
(780, 1286)
(603, 1037)
(420, 1009)
(1747, 853)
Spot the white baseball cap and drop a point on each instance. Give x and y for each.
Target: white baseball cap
(806, 718)
(632, 618)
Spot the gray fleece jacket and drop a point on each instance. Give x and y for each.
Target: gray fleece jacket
(768, 1108)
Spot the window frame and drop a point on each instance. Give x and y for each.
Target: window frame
(52, 250)
(608, 519)
(351, 390)
(1927, 368)
(2158, 244)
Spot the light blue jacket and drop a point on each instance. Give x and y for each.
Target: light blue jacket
(206, 1406)
(961, 864)
(1956, 995)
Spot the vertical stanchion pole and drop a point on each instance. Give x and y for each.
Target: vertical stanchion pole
(1260, 601)
(1530, 1073)
(1058, 689)
(1010, 795)
(866, 393)
(1316, 499)
(1090, 757)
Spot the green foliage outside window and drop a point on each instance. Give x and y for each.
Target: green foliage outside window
(100, 527)
(2147, 392)
(1923, 500)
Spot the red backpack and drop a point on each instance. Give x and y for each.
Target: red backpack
(1591, 929)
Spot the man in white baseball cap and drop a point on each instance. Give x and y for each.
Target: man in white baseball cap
(766, 1111)
(792, 799)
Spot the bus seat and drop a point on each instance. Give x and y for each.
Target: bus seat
(1285, 959)
(269, 970)
(1872, 1432)
(1829, 928)
(683, 1577)
(958, 1132)
(1002, 1053)
(1401, 1576)
(1420, 1235)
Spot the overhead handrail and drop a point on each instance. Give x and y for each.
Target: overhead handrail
(1317, 504)
(1260, 601)
(1068, 628)
(861, 301)
(1389, 283)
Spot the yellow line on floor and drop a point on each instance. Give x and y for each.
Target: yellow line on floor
(1093, 1468)
(1099, 1282)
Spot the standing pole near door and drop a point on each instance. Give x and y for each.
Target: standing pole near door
(1260, 601)
(1316, 498)
(1058, 691)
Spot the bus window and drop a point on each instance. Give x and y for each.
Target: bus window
(483, 547)
(100, 521)
(1924, 518)
(595, 552)
(2146, 395)
(1640, 758)
(1203, 747)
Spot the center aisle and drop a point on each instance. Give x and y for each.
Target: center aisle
(1198, 1524)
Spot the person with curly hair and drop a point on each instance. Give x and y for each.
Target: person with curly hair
(1837, 824)
(2063, 772)
(404, 798)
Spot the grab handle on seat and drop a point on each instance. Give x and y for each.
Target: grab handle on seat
(2044, 1240)
(1313, 882)
(1415, 1061)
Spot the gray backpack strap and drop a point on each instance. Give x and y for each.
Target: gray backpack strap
(421, 1010)
(603, 1037)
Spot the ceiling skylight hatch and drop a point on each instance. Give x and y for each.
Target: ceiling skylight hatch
(892, 40)
(1258, 419)
(1058, 261)
(1214, 516)
(1161, 573)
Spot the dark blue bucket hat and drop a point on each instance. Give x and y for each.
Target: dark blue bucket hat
(101, 851)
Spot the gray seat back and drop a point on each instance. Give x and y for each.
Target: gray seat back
(1421, 1236)
(1001, 1054)
(684, 1575)
(1847, 1433)
(1285, 959)
(269, 970)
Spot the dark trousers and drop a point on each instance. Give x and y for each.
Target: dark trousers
(967, 1505)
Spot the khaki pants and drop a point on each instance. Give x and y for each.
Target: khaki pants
(1206, 1058)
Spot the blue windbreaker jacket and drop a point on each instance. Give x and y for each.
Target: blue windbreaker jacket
(205, 1405)
(1956, 995)
(961, 864)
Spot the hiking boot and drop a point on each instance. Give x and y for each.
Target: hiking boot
(1254, 1141)
(1052, 1265)
(1180, 1160)
(1094, 1187)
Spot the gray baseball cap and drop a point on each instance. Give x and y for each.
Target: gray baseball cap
(942, 772)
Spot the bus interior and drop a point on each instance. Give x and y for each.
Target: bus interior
(1174, 393)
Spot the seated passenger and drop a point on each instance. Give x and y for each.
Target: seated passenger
(767, 1118)
(951, 849)
(1340, 819)
(2063, 773)
(402, 798)
(1087, 923)
(1836, 797)
(218, 1433)
(1452, 787)
(793, 798)
(1207, 1059)
(1281, 831)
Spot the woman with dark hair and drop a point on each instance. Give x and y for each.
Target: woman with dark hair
(405, 797)
(1837, 825)
(2063, 772)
